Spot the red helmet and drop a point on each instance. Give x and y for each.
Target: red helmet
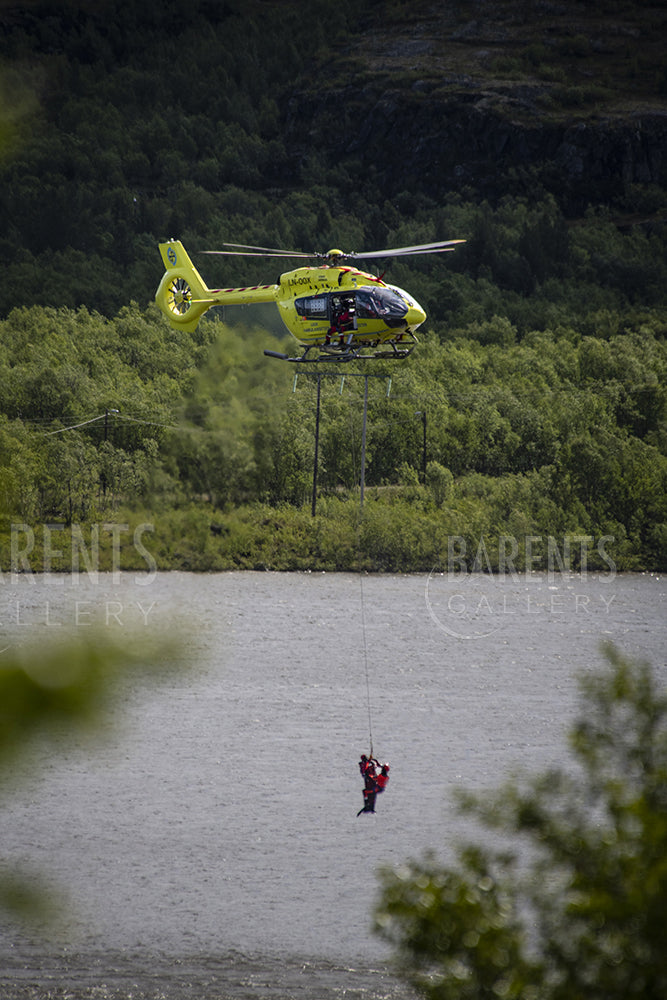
(385, 767)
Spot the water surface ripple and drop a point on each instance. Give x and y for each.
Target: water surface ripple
(208, 844)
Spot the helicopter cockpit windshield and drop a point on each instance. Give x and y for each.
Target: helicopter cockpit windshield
(381, 303)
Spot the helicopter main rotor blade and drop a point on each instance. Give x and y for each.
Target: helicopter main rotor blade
(252, 253)
(285, 253)
(401, 251)
(415, 253)
(244, 250)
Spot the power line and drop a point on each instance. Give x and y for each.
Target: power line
(105, 416)
(74, 427)
(151, 423)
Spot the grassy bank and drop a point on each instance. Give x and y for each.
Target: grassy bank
(397, 531)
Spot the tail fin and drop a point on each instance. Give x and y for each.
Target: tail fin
(182, 295)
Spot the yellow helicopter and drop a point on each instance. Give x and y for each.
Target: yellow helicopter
(335, 311)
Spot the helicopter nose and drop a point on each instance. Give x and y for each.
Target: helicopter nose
(415, 316)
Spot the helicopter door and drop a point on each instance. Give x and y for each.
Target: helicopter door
(343, 312)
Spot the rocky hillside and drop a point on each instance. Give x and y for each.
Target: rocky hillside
(501, 96)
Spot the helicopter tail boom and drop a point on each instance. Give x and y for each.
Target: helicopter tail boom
(184, 297)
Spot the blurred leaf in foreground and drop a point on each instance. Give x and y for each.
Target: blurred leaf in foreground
(64, 687)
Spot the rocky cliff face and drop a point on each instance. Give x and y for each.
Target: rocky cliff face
(436, 143)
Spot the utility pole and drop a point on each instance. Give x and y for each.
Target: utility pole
(422, 414)
(106, 422)
(363, 443)
(317, 443)
(365, 377)
(106, 437)
(424, 445)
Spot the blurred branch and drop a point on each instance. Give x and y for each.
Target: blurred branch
(70, 684)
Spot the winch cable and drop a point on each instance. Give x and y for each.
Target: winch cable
(368, 683)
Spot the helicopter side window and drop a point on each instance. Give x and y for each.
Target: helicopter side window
(365, 306)
(314, 307)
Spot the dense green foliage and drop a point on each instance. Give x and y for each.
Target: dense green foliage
(559, 433)
(580, 915)
(540, 381)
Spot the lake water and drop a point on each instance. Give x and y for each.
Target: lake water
(208, 843)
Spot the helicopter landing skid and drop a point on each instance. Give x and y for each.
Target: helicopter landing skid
(343, 356)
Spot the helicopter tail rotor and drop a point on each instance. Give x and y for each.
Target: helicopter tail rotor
(182, 295)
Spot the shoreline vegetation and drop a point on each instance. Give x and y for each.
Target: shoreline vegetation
(381, 538)
(487, 434)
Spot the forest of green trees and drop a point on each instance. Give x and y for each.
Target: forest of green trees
(534, 406)
(554, 433)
